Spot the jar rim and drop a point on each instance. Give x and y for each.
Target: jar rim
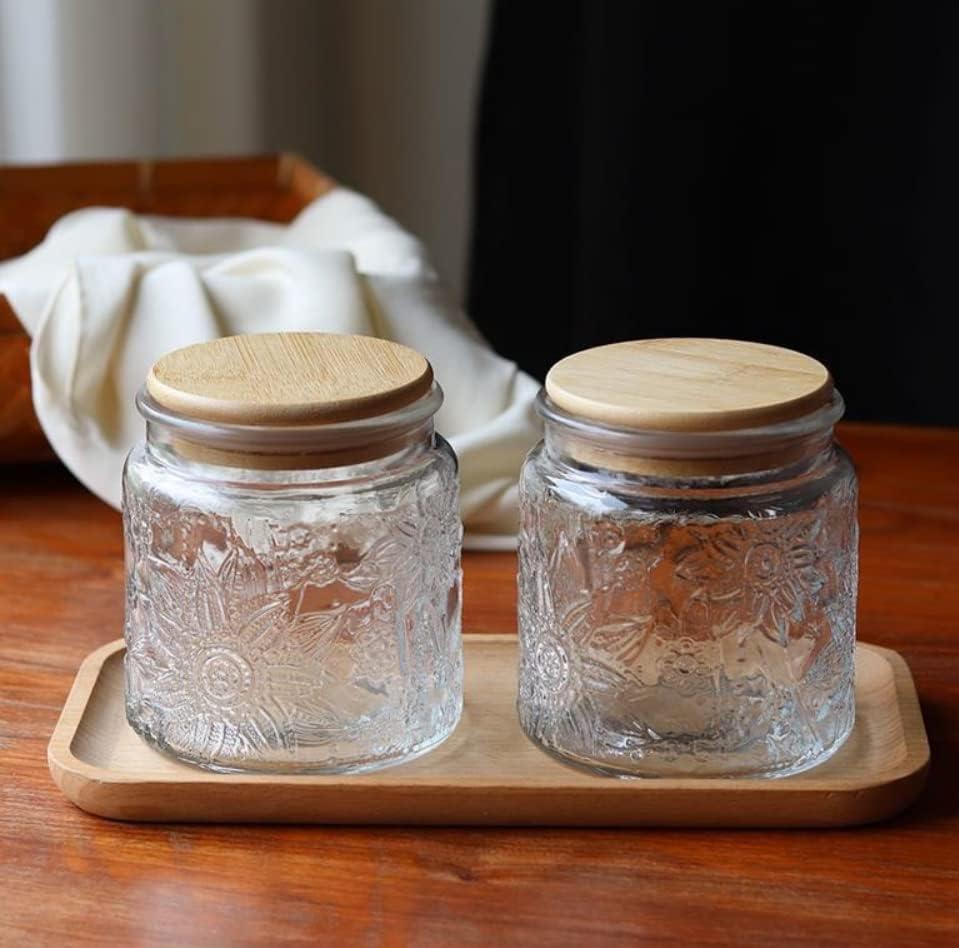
(693, 445)
(306, 439)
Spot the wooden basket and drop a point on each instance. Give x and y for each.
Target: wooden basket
(271, 188)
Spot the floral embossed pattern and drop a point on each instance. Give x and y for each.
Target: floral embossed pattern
(687, 635)
(318, 634)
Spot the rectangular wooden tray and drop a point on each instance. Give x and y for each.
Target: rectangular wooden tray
(488, 772)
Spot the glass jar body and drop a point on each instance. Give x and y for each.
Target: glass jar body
(695, 627)
(297, 621)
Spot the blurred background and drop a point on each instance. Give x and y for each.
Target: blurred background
(582, 173)
(378, 93)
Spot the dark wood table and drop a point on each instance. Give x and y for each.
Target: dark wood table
(66, 877)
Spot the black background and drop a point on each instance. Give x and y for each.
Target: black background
(778, 171)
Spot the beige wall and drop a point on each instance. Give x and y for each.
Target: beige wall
(383, 96)
(379, 92)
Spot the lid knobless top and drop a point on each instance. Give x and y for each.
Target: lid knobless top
(689, 385)
(294, 378)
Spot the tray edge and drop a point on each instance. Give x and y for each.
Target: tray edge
(92, 788)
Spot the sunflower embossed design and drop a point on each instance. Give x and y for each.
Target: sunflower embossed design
(228, 667)
(222, 676)
(552, 664)
(768, 572)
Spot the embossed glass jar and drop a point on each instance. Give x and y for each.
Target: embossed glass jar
(292, 538)
(688, 563)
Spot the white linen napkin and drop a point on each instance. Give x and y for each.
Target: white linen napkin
(108, 292)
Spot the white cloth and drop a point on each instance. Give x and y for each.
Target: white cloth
(108, 292)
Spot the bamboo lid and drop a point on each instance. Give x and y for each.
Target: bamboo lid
(289, 379)
(689, 407)
(689, 385)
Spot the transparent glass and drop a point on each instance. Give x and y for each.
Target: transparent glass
(688, 626)
(292, 620)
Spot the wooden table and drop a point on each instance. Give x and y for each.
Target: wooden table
(66, 877)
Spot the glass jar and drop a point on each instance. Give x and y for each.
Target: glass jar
(688, 579)
(293, 579)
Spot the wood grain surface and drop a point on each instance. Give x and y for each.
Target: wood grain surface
(689, 384)
(21, 437)
(289, 378)
(70, 878)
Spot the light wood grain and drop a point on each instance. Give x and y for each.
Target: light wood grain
(66, 875)
(689, 384)
(289, 378)
(487, 772)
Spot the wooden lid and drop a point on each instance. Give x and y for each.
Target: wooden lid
(289, 379)
(689, 385)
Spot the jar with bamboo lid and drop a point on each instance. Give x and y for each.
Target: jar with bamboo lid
(292, 537)
(688, 562)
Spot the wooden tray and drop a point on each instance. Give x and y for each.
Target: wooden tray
(272, 188)
(488, 772)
